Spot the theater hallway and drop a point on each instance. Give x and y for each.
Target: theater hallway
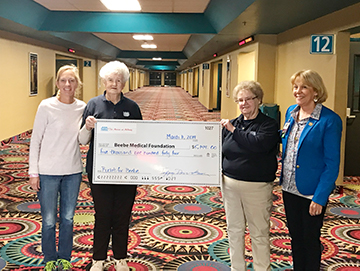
(173, 227)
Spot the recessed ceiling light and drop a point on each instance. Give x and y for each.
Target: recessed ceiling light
(156, 58)
(122, 5)
(148, 46)
(143, 37)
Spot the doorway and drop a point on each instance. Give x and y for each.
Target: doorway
(155, 78)
(65, 60)
(170, 78)
(219, 84)
(195, 92)
(352, 146)
(215, 85)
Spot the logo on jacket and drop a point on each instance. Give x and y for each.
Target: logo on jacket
(126, 114)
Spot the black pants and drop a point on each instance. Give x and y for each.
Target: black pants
(113, 205)
(305, 232)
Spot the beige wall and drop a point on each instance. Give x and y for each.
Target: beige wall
(247, 63)
(17, 108)
(246, 66)
(100, 84)
(14, 78)
(162, 79)
(146, 79)
(255, 61)
(186, 85)
(265, 70)
(293, 55)
(195, 81)
(190, 82)
(178, 79)
(137, 79)
(214, 84)
(229, 109)
(90, 80)
(204, 87)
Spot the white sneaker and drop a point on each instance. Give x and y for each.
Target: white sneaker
(97, 265)
(121, 265)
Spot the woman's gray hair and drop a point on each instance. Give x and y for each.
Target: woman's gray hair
(252, 86)
(116, 67)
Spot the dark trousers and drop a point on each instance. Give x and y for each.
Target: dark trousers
(113, 205)
(305, 232)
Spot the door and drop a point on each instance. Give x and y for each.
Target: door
(196, 83)
(155, 78)
(219, 82)
(352, 145)
(170, 79)
(62, 61)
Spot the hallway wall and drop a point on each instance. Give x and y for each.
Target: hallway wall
(17, 108)
(293, 55)
(277, 57)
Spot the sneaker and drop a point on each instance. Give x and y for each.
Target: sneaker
(64, 265)
(121, 265)
(50, 266)
(97, 265)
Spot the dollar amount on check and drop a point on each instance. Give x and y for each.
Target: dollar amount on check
(157, 152)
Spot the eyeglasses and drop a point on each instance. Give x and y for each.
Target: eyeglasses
(246, 100)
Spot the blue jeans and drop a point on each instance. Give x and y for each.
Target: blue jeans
(54, 189)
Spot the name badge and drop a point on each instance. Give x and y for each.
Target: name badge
(284, 129)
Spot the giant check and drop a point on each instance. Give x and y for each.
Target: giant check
(157, 152)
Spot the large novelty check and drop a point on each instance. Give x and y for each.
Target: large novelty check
(157, 152)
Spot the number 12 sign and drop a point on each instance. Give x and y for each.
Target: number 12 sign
(322, 44)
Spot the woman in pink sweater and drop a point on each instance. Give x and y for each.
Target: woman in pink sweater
(55, 166)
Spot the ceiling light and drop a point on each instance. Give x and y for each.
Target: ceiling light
(143, 37)
(122, 5)
(148, 46)
(156, 58)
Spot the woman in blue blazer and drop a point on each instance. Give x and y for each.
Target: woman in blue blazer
(310, 166)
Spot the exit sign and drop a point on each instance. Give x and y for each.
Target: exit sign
(322, 44)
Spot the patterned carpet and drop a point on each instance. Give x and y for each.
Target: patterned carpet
(173, 227)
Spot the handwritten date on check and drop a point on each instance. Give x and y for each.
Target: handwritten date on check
(157, 152)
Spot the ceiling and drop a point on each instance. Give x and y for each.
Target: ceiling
(186, 32)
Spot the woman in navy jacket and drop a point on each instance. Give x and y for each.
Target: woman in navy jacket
(310, 166)
(249, 164)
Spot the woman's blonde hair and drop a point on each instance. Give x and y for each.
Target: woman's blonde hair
(75, 70)
(252, 86)
(314, 80)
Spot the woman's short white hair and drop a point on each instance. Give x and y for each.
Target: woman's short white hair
(116, 67)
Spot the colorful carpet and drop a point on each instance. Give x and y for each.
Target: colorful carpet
(173, 227)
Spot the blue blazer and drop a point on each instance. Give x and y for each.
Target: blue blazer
(318, 156)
